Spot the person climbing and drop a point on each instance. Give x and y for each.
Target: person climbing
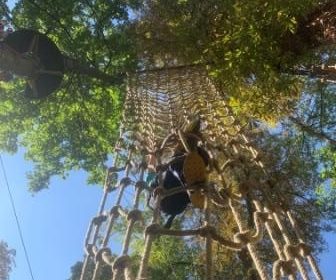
(186, 170)
(172, 178)
(195, 163)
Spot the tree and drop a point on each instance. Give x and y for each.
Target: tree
(6, 260)
(76, 270)
(266, 57)
(165, 260)
(175, 264)
(249, 50)
(253, 55)
(84, 123)
(249, 53)
(313, 123)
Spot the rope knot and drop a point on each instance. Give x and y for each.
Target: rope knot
(140, 184)
(292, 251)
(98, 220)
(263, 216)
(121, 263)
(115, 211)
(242, 237)
(305, 250)
(288, 268)
(125, 182)
(135, 215)
(89, 249)
(104, 254)
(152, 229)
(207, 230)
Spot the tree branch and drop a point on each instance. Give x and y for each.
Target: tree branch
(323, 72)
(75, 66)
(311, 131)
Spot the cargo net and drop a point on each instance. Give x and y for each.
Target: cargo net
(181, 150)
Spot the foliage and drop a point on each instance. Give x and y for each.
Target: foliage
(90, 30)
(68, 131)
(6, 260)
(76, 270)
(294, 174)
(165, 259)
(314, 124)
(77, 126)
(176, 264)
(249, 47)
(242, 43)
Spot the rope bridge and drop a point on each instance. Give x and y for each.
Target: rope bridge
(160, 108)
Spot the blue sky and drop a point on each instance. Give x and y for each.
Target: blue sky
(53, 222)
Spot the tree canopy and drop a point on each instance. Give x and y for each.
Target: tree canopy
(6, 260)
(248, 51)
(76, 127)
(251, 50)
(272, 59)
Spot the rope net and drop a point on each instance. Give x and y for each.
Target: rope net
(161, 110)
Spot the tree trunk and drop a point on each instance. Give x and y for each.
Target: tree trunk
(311, 131)
(74, 66)
(323, 72)
(316, 29)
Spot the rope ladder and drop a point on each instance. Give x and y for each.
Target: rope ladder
(159, 105)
